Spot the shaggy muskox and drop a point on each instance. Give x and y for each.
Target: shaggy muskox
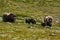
(9, 17)
(30, 20)
(47, 21)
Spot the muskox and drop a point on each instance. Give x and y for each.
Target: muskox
(9, 17)
(47, 21)
(30, 21)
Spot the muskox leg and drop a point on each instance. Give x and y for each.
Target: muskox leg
(11, 20)
(49, 24)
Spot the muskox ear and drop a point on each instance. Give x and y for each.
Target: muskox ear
(4, 18)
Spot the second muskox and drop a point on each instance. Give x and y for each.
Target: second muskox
(30, 20)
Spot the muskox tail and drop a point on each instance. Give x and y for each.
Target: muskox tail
(4, 18)
(27, 21)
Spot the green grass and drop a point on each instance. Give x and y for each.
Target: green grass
(30, 9)
(21, 31)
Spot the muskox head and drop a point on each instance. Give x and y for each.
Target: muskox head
(9, 17)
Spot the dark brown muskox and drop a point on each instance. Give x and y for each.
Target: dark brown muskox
(30, 21)
(9, 17)
(47, 21)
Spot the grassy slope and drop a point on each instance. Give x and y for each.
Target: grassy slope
(29, 8)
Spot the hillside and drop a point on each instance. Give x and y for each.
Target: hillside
(36, 9)
(28, 7)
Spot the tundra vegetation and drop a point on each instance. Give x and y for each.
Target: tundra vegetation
(36, 9)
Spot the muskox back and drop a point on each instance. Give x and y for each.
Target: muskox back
(11, 18)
